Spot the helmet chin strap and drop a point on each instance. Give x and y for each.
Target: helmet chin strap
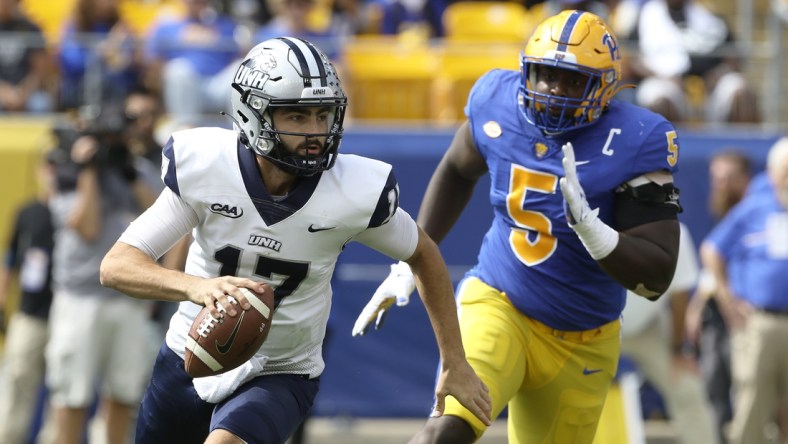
(241, 134)
(287, 167)
(244, 139)
(288, 162)
(222, 113)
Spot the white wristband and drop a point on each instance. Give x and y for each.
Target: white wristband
(598, 238)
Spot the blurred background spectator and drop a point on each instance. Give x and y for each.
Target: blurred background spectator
(143, 111)
(104, 354)
(688, 58)
(189, 61)
(729, 176)
(24, 62)
(730, 171)
(28, 264)
(356, 17)
(421, 17)
(552, 7)
(247, 13)
(781, 9)
(747, 253)
(291, 18)
(99, 62)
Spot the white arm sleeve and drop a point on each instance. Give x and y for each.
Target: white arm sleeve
(162, 225)
(397, 238)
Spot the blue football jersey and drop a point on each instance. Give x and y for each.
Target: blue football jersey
(530, 252)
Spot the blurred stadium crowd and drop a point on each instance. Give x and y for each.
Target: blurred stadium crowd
(72, 56)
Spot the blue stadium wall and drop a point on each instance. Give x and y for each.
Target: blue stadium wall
(390, 373)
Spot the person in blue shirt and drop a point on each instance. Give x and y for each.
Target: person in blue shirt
(398, 16)
(291, 19)
(194, 57)
(97, 57)
(747, 252)
(584, 208)
(730, 173)
(24, 62)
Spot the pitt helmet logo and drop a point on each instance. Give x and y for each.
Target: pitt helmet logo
(540, 149)
(612, 46)
(232, 212)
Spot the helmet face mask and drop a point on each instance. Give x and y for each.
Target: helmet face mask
(287, 73)
(580, 44)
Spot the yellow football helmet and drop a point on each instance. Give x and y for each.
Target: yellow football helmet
(578, 41)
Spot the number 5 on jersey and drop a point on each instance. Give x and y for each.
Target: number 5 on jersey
(521, 183)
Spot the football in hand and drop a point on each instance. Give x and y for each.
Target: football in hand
(215, 346)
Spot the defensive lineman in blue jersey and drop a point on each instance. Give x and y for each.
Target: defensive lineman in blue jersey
(272, 201)
(520, 251)
(584, 206)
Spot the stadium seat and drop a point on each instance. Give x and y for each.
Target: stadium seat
(48, 15)
(140, 14)
(459, 66)
(696, 92)
(51, 15)
(319, 17)
(388, 78)
(471, 21)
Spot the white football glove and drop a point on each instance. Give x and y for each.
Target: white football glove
(598, 238)
(397, 287)
(574, 195)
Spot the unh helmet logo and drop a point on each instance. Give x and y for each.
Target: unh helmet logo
(261, 61)
(253, 72)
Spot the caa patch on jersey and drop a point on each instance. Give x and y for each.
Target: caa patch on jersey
(215, 346)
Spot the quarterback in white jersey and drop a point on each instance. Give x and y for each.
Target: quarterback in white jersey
(272, 201)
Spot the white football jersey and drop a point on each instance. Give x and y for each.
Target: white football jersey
(292, 242)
